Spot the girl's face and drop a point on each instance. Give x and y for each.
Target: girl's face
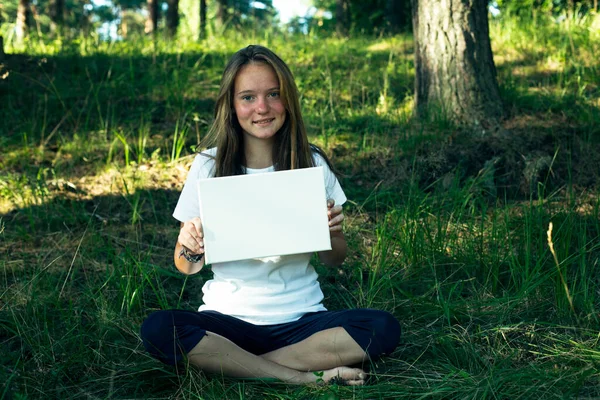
(258, 106)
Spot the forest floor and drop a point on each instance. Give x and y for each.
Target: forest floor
(449, 230)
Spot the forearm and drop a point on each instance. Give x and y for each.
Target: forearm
(338, 252)
(184, 265)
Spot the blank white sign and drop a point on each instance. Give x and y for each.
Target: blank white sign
(264, 215)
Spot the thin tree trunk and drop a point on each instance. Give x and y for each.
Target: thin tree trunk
(1, 42)
(124, 25)
(455, 72)
(152, 21)
(202, 33)
(392, 15)
(222, 13)
(342, 17)
(57, 11)
(172, 17)
(23, 18)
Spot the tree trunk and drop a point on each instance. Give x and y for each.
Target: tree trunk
(202, 33)
(397, 15)
(455, 71)
(23, 17)
(172, 17)
(222, 13)
(124, 25)
(342, 17)
(152, 20)
(57, 11)
(1, 43)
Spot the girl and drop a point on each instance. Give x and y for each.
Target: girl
(263, 318)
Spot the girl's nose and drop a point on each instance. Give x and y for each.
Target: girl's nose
(262, 106)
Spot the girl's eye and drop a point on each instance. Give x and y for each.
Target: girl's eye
(274, 94)
(247, 98)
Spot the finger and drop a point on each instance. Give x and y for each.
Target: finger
(336, 228)
(198, 226)
(191, 228)
(330, 203)
(189, 238)
(335, 211)
(191, 245)
(194, 248)
(337, 220)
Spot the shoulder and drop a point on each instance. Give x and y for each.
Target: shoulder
(208, 154)
(319, 158)
(204, 162)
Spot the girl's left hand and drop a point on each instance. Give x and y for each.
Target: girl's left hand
(336, 217)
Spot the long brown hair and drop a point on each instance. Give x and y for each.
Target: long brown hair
(291, 149)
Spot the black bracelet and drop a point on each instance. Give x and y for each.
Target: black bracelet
(193, 258)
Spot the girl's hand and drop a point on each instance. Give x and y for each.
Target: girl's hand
(191, 235)
(336, 217)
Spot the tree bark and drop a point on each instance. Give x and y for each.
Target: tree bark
(172, 17)
(23, 17)
(397, 16)
(1, 42)
(222, 13)
(202, 32)
(342, 17)
(152, 20)
(57, 11)
(455, 71)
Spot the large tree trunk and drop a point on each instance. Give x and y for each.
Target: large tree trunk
(172, 17)
(222, 13)
(202, 32)
(455, 71)
(152, 20)
(342, 17)
(23, 17)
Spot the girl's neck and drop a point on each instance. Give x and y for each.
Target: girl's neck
(259, 154)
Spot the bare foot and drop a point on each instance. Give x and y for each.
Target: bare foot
(345, 376)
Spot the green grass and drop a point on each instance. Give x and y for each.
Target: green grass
(446, 230)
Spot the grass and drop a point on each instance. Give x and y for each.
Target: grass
(447, 231)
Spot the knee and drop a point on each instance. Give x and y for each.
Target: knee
(380, 332)
(386, 332)
(156, 329)
(153, 326)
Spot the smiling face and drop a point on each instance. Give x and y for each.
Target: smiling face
(258, 106)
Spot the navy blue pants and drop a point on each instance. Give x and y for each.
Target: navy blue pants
(169, 335)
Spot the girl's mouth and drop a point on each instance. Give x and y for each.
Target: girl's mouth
(264, 121)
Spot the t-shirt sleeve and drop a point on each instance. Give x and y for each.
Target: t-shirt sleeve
(332, 185)
(188, 205)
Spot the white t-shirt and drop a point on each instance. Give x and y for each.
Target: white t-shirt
(262, 291)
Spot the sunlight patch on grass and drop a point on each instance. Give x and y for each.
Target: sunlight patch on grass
(380, 46)
(110, 180)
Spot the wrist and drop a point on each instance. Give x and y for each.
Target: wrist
(189, 256)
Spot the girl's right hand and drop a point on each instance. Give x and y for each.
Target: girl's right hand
(191, 235)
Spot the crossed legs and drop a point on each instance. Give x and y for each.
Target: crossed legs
(325, 351)
(327, 342)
